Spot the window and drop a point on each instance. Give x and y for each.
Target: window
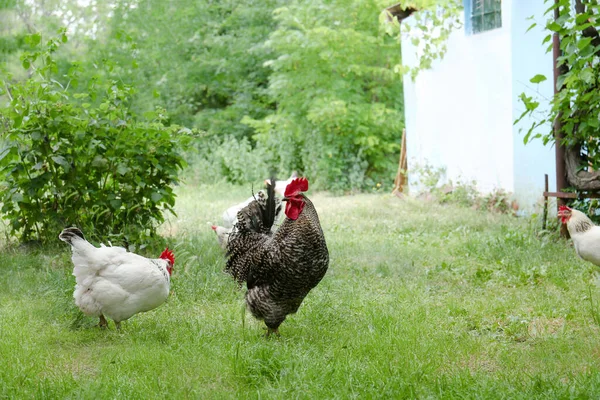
(482, 15)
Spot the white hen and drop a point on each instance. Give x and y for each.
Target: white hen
(112, 282)
(281, 185)
(222, 235)
(230, 215)
(585, 235)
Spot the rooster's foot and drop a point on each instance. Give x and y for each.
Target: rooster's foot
(272, 331)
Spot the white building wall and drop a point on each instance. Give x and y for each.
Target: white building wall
(459, 113)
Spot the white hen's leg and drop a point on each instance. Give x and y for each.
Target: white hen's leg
(118, 325)
(103, 323)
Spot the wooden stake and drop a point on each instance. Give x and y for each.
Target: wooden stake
(401, 175)
(545, 216)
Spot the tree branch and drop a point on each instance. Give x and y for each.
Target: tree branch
(398, 11)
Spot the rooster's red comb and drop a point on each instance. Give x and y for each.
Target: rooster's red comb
(168, 255)
(296, 186)
(563, 208)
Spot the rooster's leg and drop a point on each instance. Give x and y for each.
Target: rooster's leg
(118, 325)
(271, 331)
(103, 323)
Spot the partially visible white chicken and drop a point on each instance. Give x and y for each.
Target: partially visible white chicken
(585, 235)
(281, 185)
(112, 282)
(230, 215)
(222, 234)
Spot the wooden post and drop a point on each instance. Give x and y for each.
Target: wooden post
(401, 176)
(561, 175)
(545, 216)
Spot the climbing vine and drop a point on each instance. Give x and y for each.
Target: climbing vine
(576, 106)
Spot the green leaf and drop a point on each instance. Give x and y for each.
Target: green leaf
(116, 203)
(122, 169)
(560, 81)
(60, 160)
(547, 39)
(34, 39)
(587, 75)
(17, 120)
(99, 161)
(553, 26)
(156, 197)
(538, 78)
(17, 197)
(531, 27)
(581, 18)
(584, 42)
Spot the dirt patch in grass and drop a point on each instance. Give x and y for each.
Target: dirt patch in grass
(541, 327)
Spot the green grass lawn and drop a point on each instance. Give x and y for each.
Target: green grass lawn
(420, 301)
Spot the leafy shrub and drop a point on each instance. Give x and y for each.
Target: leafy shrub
(228, 159)
(590, 207)
(82, 159)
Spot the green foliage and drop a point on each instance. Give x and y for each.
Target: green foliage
(82, 159)
(201, 60)
(590, 207)
(433, 22)
(578, 101)
(339, 103)
(230, 159)
(306, 86)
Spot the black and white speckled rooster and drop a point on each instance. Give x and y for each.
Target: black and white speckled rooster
(279, 268)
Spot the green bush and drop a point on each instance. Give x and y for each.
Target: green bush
(82, 159)
(227, 159)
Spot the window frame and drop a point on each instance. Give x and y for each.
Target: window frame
(468, 7)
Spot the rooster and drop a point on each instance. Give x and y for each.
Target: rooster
(280, 267)
(112, 282)
(585, 235)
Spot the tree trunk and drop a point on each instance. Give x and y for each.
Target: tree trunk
(581, 180)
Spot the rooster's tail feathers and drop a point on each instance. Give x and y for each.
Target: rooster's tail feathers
(269, 213)
(68, 235)
(259, 216)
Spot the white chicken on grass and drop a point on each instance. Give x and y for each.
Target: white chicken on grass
(112, 282)
(230, 215)
(585, 235)
(222, 235)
